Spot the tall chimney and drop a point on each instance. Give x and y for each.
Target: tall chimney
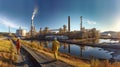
(68, 23)
(81, 23)
(32, 28)
(32, 23)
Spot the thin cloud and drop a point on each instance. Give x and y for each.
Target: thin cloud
(6, 22)
(90, 22)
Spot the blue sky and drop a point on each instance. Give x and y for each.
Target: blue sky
(101, 14)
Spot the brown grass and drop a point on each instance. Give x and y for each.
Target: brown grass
(1, 36)
(104, 63)
(7, 53)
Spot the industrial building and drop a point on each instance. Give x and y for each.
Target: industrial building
(32, 32)
(20, 32)
(83, 33)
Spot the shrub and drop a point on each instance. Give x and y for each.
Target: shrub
(103, 63)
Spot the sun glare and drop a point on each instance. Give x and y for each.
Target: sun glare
(116, 24)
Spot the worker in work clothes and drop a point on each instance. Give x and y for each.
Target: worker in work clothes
(55, 47)
(18, 46)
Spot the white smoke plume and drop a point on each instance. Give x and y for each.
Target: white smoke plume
(34, 13)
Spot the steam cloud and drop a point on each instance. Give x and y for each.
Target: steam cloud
(34, 13)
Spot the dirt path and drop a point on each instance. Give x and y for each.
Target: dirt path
(23, 60)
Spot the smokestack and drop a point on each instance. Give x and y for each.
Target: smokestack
(81, 23)
(68, 23)
(31, 27)
(32, 24)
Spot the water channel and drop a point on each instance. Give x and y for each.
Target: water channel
(88, 51)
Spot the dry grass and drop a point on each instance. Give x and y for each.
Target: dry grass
(1, 36)
(103, 63)
(14, 38)
(7, 53)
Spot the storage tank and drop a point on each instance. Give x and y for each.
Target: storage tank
(21, 32)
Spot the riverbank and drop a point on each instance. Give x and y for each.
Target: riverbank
(62, 57)
(106, 45)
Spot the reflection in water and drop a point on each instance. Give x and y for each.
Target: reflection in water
(68, 48)
(80, 51)
(65, 46)
(82, 47)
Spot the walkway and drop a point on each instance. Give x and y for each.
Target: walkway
(45, 61)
